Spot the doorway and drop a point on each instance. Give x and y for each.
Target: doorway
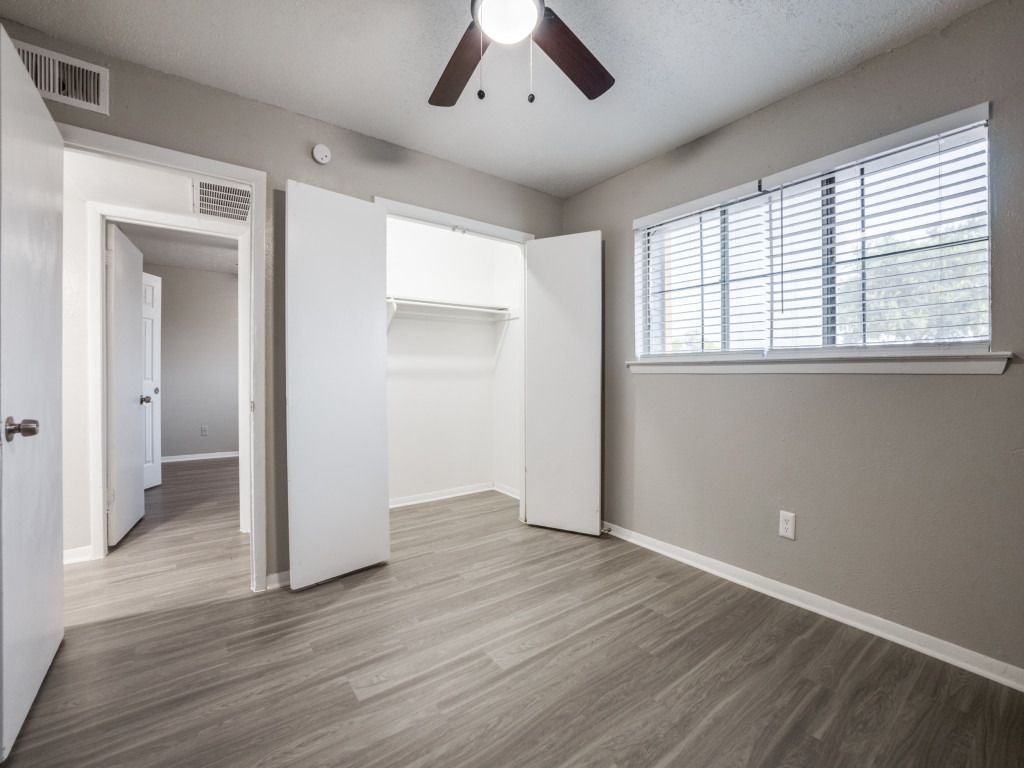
(172, 379)
(116, 183)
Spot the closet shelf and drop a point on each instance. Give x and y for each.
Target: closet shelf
(426, 309)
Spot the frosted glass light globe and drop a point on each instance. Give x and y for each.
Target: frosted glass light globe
(508, 21)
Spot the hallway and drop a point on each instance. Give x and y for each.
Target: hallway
(187, 549)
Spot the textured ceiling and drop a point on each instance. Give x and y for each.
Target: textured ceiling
(189, 250)
(683, 67)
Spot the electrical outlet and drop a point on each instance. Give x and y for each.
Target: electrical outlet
(787, 524)
(204, 430)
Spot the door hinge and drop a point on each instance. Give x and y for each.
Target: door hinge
(110, 499)
(252, 406)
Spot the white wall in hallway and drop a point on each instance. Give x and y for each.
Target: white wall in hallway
(200, 360)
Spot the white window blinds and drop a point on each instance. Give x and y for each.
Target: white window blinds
(891, 250)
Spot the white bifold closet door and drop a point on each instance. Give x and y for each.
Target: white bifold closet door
(336, 368)
(563, 383)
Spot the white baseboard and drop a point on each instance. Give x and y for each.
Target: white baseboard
(78, 554)
(972, 661)
(449, 493)
(453, 493)
(279, 580)
(508, 490)
(199, 457)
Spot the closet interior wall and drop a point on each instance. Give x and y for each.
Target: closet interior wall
(455, 363)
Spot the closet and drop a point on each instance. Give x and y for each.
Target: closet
(455, 363)
(429, 356)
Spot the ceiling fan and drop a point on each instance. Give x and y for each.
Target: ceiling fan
(508, 22)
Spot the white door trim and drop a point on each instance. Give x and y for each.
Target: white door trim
(252, 304)
(450, 221)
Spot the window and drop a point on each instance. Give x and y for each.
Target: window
(889, 250)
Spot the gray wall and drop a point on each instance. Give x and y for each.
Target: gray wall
(179, 114)
(199, 360)
(909, 490)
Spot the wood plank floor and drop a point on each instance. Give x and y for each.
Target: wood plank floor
(483, 643)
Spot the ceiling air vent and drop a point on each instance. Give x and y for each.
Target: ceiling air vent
(67, 80)
(225, 201)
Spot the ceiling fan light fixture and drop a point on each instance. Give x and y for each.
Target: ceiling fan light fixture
(507, 21)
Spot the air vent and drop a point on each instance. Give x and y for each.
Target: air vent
(67, 80)
(225, 201)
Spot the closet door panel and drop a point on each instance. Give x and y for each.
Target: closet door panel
(336, 367)
(563, 383)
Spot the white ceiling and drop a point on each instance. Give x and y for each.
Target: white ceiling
(189, 250)
(683, 67)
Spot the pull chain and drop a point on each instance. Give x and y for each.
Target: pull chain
(531, 98)
(480, 93)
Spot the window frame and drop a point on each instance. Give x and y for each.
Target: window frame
(913, 357)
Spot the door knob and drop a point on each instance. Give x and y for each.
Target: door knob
(143, 399)
(25, 428)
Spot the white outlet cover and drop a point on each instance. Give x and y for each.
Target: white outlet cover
(787, 524)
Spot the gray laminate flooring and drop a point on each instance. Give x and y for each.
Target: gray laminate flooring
(483, 643)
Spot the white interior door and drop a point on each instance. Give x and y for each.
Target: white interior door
(563, 383)
(336, 369)
(151, 300)
(126, 405)
(31, 569)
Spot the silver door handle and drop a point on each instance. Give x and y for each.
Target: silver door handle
(25, 428)
(143, 399)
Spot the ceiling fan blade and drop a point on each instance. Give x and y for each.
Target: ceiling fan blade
(572, 56)
(460, 67)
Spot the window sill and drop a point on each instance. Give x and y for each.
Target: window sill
(946, 363)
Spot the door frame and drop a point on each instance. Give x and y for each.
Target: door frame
(251, 315)
(452, 221)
